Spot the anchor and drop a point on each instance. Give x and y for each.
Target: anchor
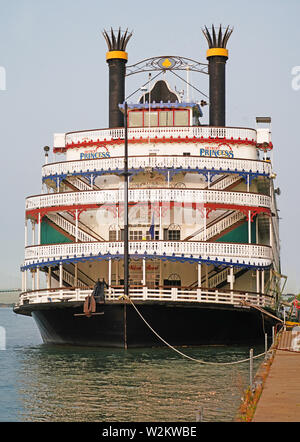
(89, 306)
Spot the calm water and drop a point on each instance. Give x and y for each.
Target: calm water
(52, 383)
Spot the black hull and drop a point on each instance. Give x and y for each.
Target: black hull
(121, 326)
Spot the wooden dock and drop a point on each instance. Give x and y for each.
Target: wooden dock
(280, 397)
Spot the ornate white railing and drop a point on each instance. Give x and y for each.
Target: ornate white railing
(160, 132)
(167, 195)
(250, 254)
(159, 161)
(150, 294)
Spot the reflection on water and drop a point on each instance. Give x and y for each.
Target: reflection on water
(54, 383)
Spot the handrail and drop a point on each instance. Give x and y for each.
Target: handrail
(116, 195)
(170, 294)
(233, 165)
(188, 131)
(193, 251)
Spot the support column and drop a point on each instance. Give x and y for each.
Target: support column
(26, 232)
(144, 272)
(249, 227)
(230, 279)
(33, 233)
(49, 278)
(263, 281)
(39, 229)
(38, 278)
(60, 274)
(257, 281)
(204, 224)
(32, 279)
(160, 225)
(109, 275)
(199, 274)
(76, 225)
(76, 275)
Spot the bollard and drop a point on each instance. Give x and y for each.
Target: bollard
(199, 415)
(266, 344)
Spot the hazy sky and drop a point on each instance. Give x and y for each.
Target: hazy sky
(53, 56)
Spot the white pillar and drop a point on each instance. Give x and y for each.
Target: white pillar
(32, 279)
(257, 281)
(38, 278)
(76, 225)
(60, 274)
(144, 271)
(39, 229)
(49, 278)
(160, 225)
(204, 224)
(271, 232)
(25, 281)
(26, 232)
(249, 227)
(109, 273)
(231, 278)
(33, 233)
(263, 281)
(199, 274)
(76, 275)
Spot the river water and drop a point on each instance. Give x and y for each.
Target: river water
(56, 383)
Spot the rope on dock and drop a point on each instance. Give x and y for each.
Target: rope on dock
(180, 352)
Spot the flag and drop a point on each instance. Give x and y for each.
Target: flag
(151, 230)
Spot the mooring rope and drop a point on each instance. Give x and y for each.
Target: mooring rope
(180, 352)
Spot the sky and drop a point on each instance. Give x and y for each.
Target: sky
(54, 78)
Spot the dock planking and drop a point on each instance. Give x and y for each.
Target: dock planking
(280, 398)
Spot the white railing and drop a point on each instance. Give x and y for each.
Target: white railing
(158, 161)
(178, 294)
(250, 254)
(113, 196)
(160, 132)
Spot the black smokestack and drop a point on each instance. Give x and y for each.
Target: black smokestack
(217, 56)
(116, 58)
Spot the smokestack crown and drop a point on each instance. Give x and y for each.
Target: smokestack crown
(217, 43)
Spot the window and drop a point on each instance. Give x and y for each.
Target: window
(175, 283)
(166, 118)
(153, 119)
(135, 235)
(135, 119)
(112, 235)
(171, 235)
(181, 118)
